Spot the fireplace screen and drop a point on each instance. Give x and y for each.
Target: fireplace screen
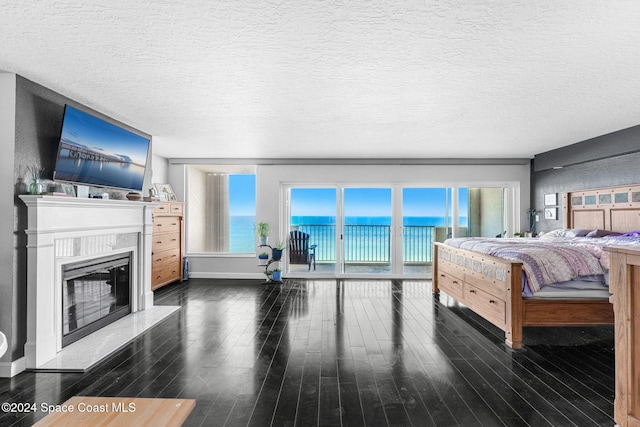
(94, 294)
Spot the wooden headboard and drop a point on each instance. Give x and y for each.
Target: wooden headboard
(609, 208)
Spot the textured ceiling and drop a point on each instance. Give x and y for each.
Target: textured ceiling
(338, 79)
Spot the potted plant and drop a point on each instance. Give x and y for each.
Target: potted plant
(263, 257)
(262, 230)
(276, 275)
(276, 252)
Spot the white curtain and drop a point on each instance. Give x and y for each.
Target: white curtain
(217, 212)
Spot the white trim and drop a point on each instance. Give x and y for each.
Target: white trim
(218, 275)
(349, 161)
(11, 369)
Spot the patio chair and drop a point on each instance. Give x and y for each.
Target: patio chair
(300, 252)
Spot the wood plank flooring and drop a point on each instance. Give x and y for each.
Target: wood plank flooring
(342, 352)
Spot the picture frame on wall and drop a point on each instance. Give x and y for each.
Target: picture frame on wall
(165, 192)
(550, 213)
(551, 199)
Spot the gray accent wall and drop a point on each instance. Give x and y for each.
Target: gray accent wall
(614, 144)
(38, 120)
(608, 160)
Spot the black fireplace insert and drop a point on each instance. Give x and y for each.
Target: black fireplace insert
(95, 293)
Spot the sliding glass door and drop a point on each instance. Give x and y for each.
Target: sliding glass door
(362, 231)
(425, 219)
(313, 211)
(367, 234)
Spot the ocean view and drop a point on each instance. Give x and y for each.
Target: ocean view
(372, 240)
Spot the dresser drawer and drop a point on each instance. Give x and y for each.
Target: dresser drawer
(176, 209)
(486, 305)
(163, 258)
(162, 209)
(451, 285)
(165, 275)
(166, 224)
(166, 241)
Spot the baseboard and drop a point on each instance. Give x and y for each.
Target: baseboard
(11, 369)
(217, 275)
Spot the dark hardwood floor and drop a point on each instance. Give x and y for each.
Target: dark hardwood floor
(349, 352)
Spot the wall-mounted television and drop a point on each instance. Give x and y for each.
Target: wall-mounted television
(95, 152)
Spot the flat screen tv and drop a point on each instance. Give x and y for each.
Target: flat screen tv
(95, 152)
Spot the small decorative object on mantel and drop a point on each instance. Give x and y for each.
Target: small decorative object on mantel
(153, 195)
(82, 191)
(62, 189)
(134, 196)
(35, 185)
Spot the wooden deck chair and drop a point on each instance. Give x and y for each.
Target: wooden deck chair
(300, 252)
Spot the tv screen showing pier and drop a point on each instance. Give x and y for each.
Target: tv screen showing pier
(95, 152)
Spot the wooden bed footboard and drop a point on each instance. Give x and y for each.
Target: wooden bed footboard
(492, 287)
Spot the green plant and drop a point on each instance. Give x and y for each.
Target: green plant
(280, 245)
(35, 172)
(277, 269)
(263, 229)
(263, 255)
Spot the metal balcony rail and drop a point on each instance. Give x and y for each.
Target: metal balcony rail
(370, 243)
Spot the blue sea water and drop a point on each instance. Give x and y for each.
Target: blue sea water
(242, 234)
(435, 221)
(322, 229)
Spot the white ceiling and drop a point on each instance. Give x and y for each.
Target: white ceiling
(338, 79)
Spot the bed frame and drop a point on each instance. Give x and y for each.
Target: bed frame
(492, 286)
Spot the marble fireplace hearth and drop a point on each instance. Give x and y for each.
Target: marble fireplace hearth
(64, 230)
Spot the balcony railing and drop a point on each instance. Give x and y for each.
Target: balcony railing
(370, 243)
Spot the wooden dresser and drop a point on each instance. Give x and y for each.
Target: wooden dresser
(625, 289)
(167, 249)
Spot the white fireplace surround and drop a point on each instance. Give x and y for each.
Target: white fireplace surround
(65, 229)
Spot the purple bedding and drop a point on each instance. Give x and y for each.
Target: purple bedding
(555, 258)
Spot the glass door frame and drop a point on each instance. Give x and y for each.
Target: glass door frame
(286, 226)
(511, 219)
(392, 232)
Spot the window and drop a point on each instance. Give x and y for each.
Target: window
(222, 208)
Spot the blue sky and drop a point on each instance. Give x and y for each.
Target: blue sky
(372, 201)
(358, 201)
(242, 195)
(313, 202)
(85, 129)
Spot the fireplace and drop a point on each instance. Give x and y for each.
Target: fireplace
(95, 293)
(65, 237)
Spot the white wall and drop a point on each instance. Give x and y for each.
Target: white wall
(159, 169)
(269, 200)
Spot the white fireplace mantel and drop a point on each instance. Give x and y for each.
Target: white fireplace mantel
(67, 229)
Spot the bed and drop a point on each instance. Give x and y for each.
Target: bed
(500, 280)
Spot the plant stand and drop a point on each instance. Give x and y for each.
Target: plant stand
(269, 280)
